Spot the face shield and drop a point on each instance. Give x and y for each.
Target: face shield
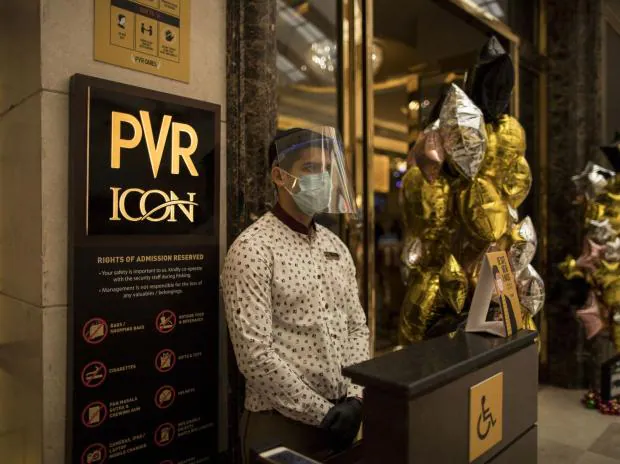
(314, 171)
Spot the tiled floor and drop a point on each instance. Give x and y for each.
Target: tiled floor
(570, 434)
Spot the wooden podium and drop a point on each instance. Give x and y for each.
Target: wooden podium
(455, 399)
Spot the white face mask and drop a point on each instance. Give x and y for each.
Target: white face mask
(314, 193)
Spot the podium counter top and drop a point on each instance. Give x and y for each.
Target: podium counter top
(428, 365)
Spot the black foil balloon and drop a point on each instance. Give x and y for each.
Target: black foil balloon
(612, 152)
(491, 81)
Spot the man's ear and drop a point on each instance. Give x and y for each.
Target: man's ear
(276, 176)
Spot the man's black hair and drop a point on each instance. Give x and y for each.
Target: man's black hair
(295, 136)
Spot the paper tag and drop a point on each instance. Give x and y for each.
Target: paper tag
(495, 274)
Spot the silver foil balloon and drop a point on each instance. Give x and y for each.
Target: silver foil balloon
(531, 290)
(524, 243)
(617, 317)
(412, 253)
(601, 231)
(463, 132)
(593, 180)
(612, 250)
(514, 214)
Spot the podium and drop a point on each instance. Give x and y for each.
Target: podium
(454, 399)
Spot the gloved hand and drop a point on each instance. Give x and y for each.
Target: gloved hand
(342, 422)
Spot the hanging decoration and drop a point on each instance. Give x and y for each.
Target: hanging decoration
(468, 175)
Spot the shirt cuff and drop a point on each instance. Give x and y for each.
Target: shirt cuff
(355, 391)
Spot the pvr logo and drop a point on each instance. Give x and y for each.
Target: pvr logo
(152, 205)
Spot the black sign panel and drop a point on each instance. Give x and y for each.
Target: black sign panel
(143, 325)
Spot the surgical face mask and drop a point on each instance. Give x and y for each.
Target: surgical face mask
(314, 193)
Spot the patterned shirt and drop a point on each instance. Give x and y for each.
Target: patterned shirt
(294, 316)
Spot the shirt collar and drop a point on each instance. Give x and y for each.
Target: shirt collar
(291, 223)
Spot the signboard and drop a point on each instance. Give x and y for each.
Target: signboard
(497, 275)
(145, 35)
(485, 415)
(143, 316)
(610, 382)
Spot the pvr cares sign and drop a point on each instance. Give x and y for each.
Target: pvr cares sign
(170, 201)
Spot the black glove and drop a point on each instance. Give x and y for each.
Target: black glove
(342, 422)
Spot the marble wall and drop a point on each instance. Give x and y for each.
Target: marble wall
(575, 128)
(43, 43)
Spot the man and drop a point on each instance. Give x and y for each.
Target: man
(292, 305)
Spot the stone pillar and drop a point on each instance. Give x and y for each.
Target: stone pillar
(574, 47)
(43, 43)
(252, 109)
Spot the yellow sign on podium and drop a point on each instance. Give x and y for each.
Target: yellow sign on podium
(497, 275)
(145, 35)
(485, 415)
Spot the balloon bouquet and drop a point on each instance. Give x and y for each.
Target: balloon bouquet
(467, 176)
(598, 266)
(599, 262)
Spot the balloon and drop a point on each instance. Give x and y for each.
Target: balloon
(516, 181)
(593, 180)
(510, 139)
(463, 132)
(420, 306)
(611, 295)
(453, 284)
(569, 268)
(531, 289)
(427, 206)
(590, 256)
(612, 250)
(492, 80)
(514, 215)
(483, 211)
(432, 157)
(412, 252)
(611, 208)
(590, 316)
(529, 324)
(612, 151)
(601, 231)
(524, 243)
(606, 274)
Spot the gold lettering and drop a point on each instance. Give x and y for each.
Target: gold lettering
(117, 141)
(122, 204)
(156, 152)
(149, 214)
(188, 210)
(186, 153)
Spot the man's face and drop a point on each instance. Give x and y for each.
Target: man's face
(309, 161)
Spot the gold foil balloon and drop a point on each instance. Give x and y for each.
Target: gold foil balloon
(531, 289)
(516, 181)
(427, 206)
(453, 284)
(510, 139)
(611, 204)
(524, 243)
(611, 295)
(529, 324)
(483, 211)
(514, 215)
(569, 268)
(419, 307)
(463, 132)
(607, 274)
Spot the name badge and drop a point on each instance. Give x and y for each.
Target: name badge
(332, 256)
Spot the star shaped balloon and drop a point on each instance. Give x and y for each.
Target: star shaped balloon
(590, 316)
(612, 250)
(612, 151)
(569, 269)
(592, 180)
(602, 231)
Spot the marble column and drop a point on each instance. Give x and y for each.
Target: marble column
(252, 102)
(574, 48)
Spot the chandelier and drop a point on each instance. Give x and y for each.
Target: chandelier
(324, 56)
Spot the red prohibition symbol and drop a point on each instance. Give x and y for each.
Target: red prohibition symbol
(165, 360)
(94, 414)
(94, 374)
(95, 331)
(166, 321)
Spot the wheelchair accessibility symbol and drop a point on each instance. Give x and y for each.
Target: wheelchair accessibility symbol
(486, 421)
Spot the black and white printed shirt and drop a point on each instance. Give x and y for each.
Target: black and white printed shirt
(294, 316)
